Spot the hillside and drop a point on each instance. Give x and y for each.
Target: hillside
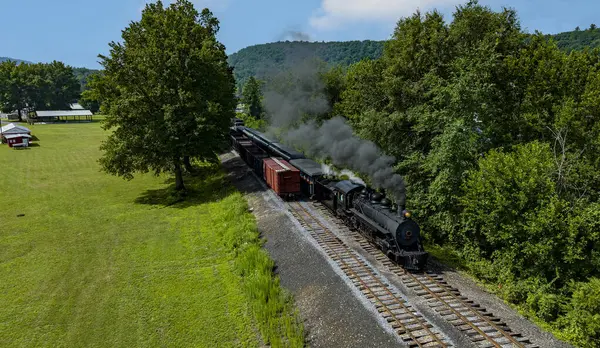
(578, 39)
(267, 59)
(81, 74)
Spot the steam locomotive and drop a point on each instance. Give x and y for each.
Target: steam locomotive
(361, 208)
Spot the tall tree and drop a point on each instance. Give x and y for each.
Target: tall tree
(167, 91)
(63, 86)
(252, 97)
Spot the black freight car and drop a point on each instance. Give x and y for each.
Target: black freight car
(310, 172)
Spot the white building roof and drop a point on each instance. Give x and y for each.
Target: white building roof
(64, 113)
(12, 136)
(12, 128)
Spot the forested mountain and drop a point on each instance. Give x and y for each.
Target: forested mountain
(268, 59)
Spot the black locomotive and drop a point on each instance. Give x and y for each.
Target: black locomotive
(377, 219)
(374, 216)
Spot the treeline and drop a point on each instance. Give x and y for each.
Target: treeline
(497, 134)
(27, 87)
(267, 60)
(578, 39)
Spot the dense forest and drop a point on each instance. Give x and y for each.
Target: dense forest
(497, 135)
(266, 60)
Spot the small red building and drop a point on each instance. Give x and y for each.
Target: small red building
(15, 136)
(17, 140)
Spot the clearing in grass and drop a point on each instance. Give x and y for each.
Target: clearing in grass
(99, 261)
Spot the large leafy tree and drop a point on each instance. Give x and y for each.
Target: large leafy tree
(167, 91)
(62, 86)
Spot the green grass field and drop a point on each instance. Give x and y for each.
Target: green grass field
(97, 261)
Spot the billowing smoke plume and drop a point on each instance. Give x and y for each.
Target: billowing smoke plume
(295, 35)
(289, 109)
(335, 140)
(294, 95)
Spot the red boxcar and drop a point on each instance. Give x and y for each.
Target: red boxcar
(282, 177)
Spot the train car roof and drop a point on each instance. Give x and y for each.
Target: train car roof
(286, 152)
(307, 166)
(345, 186)
(258, 134)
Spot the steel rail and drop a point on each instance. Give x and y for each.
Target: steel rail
(376, 279)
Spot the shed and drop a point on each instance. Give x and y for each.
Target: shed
(17, 140)
(64, 115)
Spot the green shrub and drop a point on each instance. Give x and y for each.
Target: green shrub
(503, 194)
(582, 321)
(546, 306)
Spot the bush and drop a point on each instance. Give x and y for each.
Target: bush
(507, 190)
(582, 321)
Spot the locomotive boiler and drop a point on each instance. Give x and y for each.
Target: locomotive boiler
(377, 219)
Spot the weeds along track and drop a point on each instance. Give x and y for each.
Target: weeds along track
(410, 325)
(481, 328)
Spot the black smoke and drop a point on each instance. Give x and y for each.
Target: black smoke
(295, 35)
(291, 110)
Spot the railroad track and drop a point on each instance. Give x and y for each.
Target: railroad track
(481, 327)
(410, 325)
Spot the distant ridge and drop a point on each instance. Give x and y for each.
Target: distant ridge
(19, 61)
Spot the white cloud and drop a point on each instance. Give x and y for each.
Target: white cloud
(334, 13)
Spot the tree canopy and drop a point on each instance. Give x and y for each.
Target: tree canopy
(167, 91)
(36, 86)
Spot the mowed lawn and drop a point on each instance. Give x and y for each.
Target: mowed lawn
(95, 262)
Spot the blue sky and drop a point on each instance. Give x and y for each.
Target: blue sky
(76, 31)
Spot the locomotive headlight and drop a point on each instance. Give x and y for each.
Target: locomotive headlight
(407, 214)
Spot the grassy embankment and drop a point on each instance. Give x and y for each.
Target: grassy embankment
(99, 261)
